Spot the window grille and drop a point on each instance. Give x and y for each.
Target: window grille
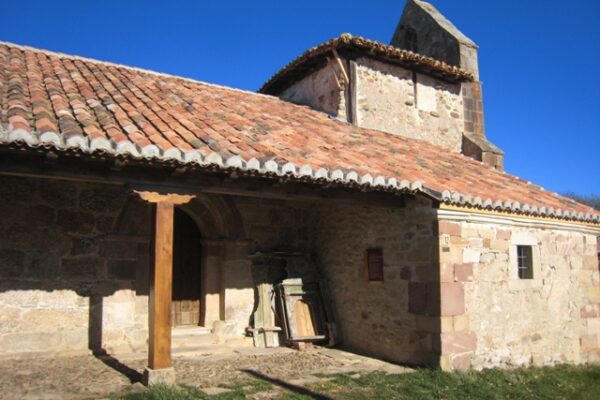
(525, 262)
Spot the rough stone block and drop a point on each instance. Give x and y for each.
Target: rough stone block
(81, 268)
(593, 293)
(590, 262)
(461, 362)
(446, 324)
(503, 234)
(427, 273)
(446, 363)
(590, 342)
(103, 199)
(119, 249)
(12, 263)
(14, 190)
(84, 246)
(447, 272)
(427, 323)
(80, 223)
(424, 298)
(593, 326)
(590, 310)
(499, 244)
(58, 194)
(164, 376)
(471, 255)
(458, 342)
(463, 272)
(122, 269)
(461, 322)
(452, 298)
(449, 228)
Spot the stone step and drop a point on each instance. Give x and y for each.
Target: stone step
(191, 337)
(189, 330)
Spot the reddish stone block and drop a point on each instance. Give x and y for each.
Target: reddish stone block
(589, 343)
(590, 310)
(463, 272)
(458, 342)
(503, 234)
(452, 299)
(449, 228)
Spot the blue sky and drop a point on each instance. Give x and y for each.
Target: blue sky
(539, 59)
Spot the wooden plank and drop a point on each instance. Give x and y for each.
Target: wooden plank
(160, 288)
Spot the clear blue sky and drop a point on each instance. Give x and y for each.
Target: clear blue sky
(539, 59)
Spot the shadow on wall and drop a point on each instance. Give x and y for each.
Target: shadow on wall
(64, 246)
(75, 262)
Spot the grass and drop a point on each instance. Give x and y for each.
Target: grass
(561, 382)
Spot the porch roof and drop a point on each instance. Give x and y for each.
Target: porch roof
(72, 104)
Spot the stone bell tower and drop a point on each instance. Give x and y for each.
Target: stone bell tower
(424, 30)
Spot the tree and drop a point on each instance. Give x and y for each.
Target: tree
(592, 200)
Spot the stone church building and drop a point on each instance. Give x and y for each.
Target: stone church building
(354, 201)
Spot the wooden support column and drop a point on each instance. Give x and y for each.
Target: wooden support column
(161, 283)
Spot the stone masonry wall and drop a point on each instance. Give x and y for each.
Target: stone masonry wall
(67, 282)
(320, 91)
(374, 318)
(389, 98)
(494, 318)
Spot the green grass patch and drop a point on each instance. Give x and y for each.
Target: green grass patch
(561, 382)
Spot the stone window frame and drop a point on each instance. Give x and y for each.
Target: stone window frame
(514, 282)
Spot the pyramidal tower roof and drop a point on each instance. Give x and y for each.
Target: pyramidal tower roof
(440, 19)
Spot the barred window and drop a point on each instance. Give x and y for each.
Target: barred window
(525, 262)
(374, 265)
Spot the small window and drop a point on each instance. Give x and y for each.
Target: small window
(374, 265)
(411, 40)
(525, 262)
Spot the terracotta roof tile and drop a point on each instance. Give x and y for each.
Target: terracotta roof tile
(353, 47)
(70, 101)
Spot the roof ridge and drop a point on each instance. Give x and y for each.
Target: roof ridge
(128, 67)
(374, 46)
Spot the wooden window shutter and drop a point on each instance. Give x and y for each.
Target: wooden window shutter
(374, 264)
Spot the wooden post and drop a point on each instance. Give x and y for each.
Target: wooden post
(161, 283)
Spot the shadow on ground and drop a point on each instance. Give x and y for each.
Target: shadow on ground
(286, 385)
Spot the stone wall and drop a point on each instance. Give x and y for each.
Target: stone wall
(75, 262)
(396, 100)
(374, 317)
(68, 281)
(320, 91)
(498, 319)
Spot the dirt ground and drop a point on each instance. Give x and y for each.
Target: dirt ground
(89, 377)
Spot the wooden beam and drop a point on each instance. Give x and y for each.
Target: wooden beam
(159, 180)
(161, 279)
(171, 198)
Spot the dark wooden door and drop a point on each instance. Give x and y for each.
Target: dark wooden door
(185, 309)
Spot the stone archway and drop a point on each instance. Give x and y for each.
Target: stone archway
(220, 225)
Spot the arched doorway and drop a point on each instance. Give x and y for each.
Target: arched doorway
(187, 288)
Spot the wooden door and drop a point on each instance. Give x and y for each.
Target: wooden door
(185, 309)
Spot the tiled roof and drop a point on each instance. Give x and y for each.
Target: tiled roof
(353, 47)
(51, 100)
